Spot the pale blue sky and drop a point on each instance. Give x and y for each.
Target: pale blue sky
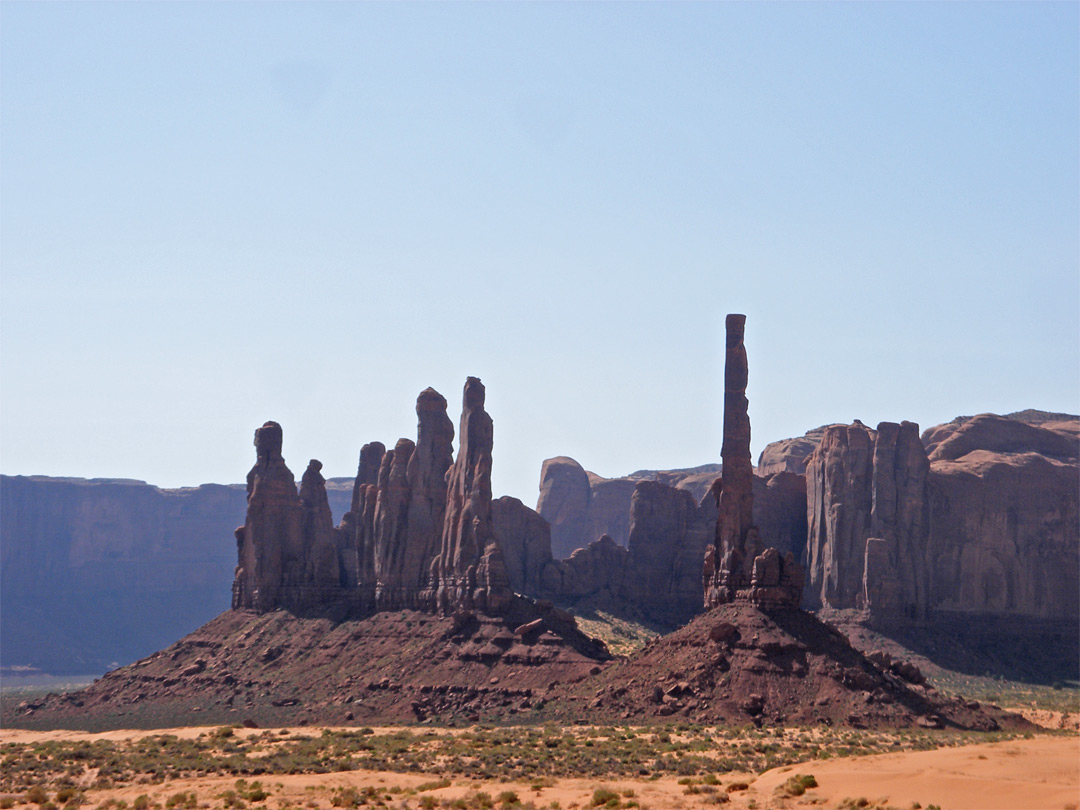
(215, 214)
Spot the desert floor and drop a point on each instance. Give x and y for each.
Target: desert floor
(1040, 772)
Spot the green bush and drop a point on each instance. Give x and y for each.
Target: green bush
(798, 785)
(36, 795)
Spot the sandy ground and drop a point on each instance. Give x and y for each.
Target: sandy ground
(1041, 773)
(1036, 774)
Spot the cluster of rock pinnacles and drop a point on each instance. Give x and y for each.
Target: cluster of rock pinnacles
(420, 531)
(418, 534)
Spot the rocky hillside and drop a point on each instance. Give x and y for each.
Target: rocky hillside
(735, 664)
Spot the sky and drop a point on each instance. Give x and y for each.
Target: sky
(215, 214)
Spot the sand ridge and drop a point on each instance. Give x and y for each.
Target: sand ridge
(1023, 774)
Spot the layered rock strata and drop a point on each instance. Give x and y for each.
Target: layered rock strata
(978, 516)
(96, 573)
(1004, 512)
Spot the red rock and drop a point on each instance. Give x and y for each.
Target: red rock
(525, 540)
(736, 560)
(426, 479)
(736, 541)
(564, 504)
(467, 530)
(320, 536)
(270, 542)
(789, 455)
(393, 581)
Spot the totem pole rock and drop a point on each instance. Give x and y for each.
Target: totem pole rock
(735, 540)
(736, 566)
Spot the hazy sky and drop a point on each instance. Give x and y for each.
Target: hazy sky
(214, 214)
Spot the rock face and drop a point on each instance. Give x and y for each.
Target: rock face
(780, 512)
(609, 509)
(582, 506)
(657, 577)
(1005, 522)
(863, 484)
(983, 519)
(564, 503)
(669, 533)
(95, 573)
(789, 455)
(525, 539)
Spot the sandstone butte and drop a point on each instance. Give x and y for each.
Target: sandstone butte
(407, 610)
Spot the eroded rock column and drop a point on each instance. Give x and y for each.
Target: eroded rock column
(736, 539)
(469, 571)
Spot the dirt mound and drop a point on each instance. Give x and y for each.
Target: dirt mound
(277, 669)
(735, 664)
(740, 664)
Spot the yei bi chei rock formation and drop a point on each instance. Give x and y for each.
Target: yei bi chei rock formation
(419, 534)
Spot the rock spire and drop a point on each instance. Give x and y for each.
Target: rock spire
(736, 566)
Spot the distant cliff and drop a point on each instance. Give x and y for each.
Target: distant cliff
(979, 516)
(95, 573)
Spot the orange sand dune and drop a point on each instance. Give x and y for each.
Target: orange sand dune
(1036, 774)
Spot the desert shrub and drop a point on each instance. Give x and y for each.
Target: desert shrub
(428, 803)
(734, 786)
(36, 795)
(253, 792)
(185, 800)
(441, 783)
(141, 802)
(347, 797)
(508, 798)
(479, 800)
(603, 797)
(798, 784)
